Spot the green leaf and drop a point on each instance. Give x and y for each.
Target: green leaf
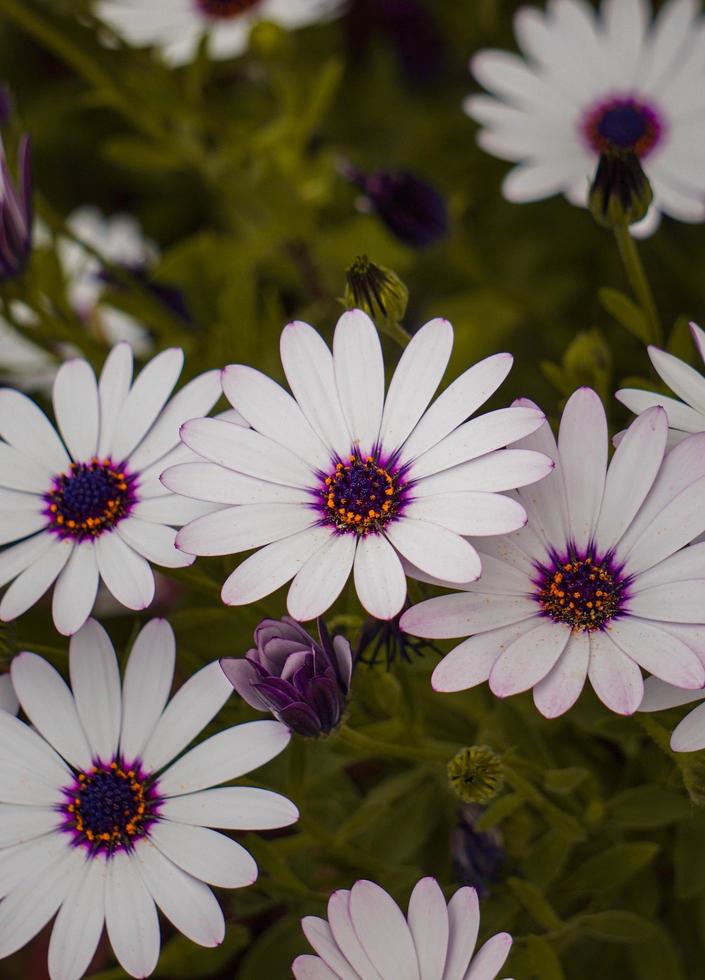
(656, 958)
(543, 959)
(499, 810)
(610, 869)
(626, 312)
(564, 781)
(648, 806)
(535, 903)
(617, 926)
(181, 959)
(689, 857)
(138, 155)
(273, 951)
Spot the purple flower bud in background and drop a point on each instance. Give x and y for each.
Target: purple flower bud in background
(478, 855)
(15, 213)
(6, 104)
(303, 683)
(411, 209)
(408, 26)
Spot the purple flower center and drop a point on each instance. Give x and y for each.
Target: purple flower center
(109, 807)
(583, 593)
(225, 9)
(361, 495)
(90, 499)
(623, 124)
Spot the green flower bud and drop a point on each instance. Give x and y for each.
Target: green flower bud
(620, 193)
(476, 774)
(377, 291)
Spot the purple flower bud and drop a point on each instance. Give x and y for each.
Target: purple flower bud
(6, 104)
(15, 213)
(478, 856)
(413, 210)
(304, 684)
(407, 26)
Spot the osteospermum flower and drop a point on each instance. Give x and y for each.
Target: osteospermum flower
(689, 733)
(86, 503)
(340, 478)
(591, 82)
(176, 26)
(367, 937)
(96, 819)
(686, 416)
(598, 584)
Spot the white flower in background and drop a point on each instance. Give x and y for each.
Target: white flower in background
(587, 82)
(598, 584)
(342, 478)
(8, 699)
(88, 504)
(367, 937)
(177, 26)
(686, 416)
(99, 822)
(22, 362)
(689, 734)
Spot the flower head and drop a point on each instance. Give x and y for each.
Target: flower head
(598, 584)
(368, 937)
(476, 774)
(340, 478)
(587, 83)
(303, 683)
(85, 503)
(98, 821)
(15, 213)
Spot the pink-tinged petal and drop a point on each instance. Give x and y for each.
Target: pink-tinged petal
(130, 916)
(449, 616)
(582, 446)
(235, 529)
(273, 412)
(457, 403)
(233, 808)
(26, 427)
(679, 416)
(307, 967)
(79, 924)
(205, 854)
(698, 335)
(319, 934)
(529, 659)
(209, 481)
(154, 542)
(680, 377)
(503, 469)
(435, 549)
(678, 523)
(490, 958)
(560, 688)
(470, 663)
(308, 365)
(359, 377)
(464, 921)
(674, 602)
(242, 675)
(630, 476)
(271, 567)
(615, 677)
(658, 695)
(686, 564)
(428, 922)
(321, 580)
(346, 936)
(76, 408)
(113, 387)
(500, 578)
(468, 512)
(383, 932)
(380, 581)
(414, 382)
(658, 652)
(689, 734)
(545, 500)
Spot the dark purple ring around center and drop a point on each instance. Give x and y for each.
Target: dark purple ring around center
(225, 9)
(621, 123)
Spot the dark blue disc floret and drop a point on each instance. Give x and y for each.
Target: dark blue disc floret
(623, 123)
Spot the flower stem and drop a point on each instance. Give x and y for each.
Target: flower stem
(638, 281)
(436, 752)
(397, 333)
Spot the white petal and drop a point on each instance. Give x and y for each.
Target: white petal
(24, 426)
(8, 698)
(76, 408)
(79, 924)
(308, 365)
(22, 744)
(464, 921)
(20, 556)
(678, 523)
(130, 917)
(146, 685)
(428, 922)
(380, 582)
(24, 861)
(684, 380)
(154, 542)
(205, 854)
(346, 937)
(248, 452)
(272, 566)
(383, 932)
(463, 613)
(75, 589)
(234, 529)
(113, 387)
(616, 679)
(21, 516)
(192, 401)
(168, 508)
(490, 958)
(658, 651)
(188, 904)
(31, 584)
(688, 563)
(674, 602)
(561, 687)
(582, 445)
(22, 823)
(435, 550)
(503, 469)
(659, 695)
(319, 934)
(471, 661)
(680, 416)
(321, 580)
(126, 574)
(95, 681)
(307, 967)
(359, 376)
(468, 512)
(145, 401)
(26, 787)
(49, 705)
(188, 712)
(208, 481)
(225, 756)
(414, 382)
(689, 734)
(529, 658)
(19, 472)
(457, 403)
(234, 807)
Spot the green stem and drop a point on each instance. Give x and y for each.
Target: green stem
(397, 333)
(638, 281)
(393, 750)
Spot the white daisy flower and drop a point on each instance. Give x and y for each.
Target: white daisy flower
(340, 478)
(586, 82)
(87, 504)
(96, 819)
(689, 733)
(177, 26)
(367, 937)
(686, 416)
(598, 584)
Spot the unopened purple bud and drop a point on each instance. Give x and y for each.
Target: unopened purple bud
(6, 104)
(478, 855)
(15, 213)
(413, 210)
(304, 683)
